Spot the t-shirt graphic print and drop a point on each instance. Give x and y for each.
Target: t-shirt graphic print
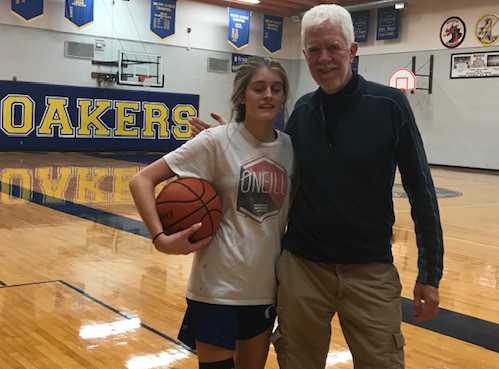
(262, 188)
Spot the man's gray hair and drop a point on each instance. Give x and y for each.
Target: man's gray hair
(329, 12)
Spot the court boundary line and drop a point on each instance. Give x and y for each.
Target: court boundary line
(116, 221)
(471, 330)
(113, 309)
(28, 284)
(105, 305)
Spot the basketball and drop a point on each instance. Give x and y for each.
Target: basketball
(187, 201)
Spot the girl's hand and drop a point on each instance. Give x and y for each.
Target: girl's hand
(179, 244)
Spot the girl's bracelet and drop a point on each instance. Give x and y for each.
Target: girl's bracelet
(159, 234)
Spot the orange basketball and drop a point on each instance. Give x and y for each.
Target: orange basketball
(187, 201)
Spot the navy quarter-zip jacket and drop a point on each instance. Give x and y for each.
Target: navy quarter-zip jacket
(347, 148)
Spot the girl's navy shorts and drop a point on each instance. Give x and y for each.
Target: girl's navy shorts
(223, 325)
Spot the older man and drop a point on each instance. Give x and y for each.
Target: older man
(349, 136)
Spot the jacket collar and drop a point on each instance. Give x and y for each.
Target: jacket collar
(346, 94)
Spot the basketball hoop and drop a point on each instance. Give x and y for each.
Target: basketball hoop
(404, 80)
(140, 69)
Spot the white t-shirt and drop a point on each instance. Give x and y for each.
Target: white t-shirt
(253, 180)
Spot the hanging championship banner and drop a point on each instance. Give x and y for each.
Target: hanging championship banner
(361, 25)
(272, 33)
(239, 27)
(388, 24)
(27, 9)
(79, 12)
(163, 17)
(39, 116)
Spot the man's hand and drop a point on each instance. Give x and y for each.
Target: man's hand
(198, 125)
(426, 302)
(218, 118)
(179, 244)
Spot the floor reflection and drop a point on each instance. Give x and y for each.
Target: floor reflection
(81, 185)
(340, 357)
(162, 360)
(105, 330)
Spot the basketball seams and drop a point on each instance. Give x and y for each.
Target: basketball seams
(177, 201)
(179, 182)
(185, 201)
(204, 205)
(211, 219)
(207, 210)
(202, 218)
(200, 198)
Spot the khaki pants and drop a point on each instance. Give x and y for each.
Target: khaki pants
(366, 298)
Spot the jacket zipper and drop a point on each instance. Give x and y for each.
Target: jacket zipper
(324, 126)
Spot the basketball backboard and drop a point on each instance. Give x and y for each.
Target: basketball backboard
(404, 80)
(140, 69)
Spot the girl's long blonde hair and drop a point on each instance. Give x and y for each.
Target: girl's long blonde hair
(243, 79)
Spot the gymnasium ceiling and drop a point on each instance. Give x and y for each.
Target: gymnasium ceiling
(286, 8)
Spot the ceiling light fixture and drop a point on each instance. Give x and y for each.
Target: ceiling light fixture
(245, 1)
(375, 4)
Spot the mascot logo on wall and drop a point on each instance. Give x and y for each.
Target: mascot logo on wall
(487, 29)
(452, 32)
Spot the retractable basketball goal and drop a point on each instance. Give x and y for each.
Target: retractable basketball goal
(405, 79)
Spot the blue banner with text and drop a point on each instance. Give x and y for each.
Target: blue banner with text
(361, 25)
(28, 9)
(239, 27)
(388, 24)
(163, 17)
(79, 12)
(272, 33)
(47, 117)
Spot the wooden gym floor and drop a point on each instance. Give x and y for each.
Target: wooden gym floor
(82, 287)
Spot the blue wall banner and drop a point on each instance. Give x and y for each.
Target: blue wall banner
(388, 23)
(272, 33)
(240, 59)
(239, 27)
(28, 9)
(79, 12)
(36, 116)
(163, 17)
(361, 25)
